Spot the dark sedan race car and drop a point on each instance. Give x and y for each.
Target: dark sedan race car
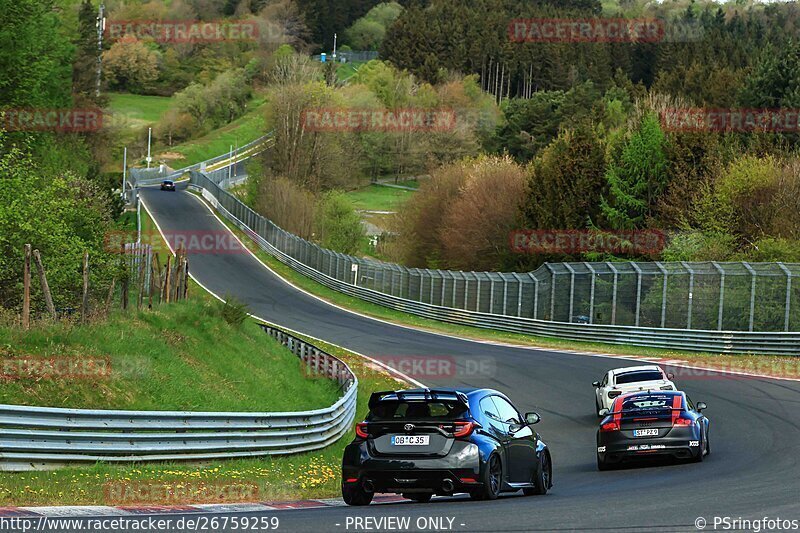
(421, 442)
(647, 424)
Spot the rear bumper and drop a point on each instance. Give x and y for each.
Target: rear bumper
(679, 447)
(458, 471)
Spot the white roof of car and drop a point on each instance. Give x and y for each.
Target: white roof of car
(635, 369)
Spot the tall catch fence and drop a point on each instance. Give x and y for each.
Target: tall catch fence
(652, 299)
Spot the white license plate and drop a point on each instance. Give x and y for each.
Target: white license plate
(645, 432)
(410, 440)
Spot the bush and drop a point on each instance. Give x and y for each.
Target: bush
(216, 104)
(462, 216)
(175, 127)
(286, 204)
(700, 246)
(60, 215)
(418, 243)
(130, 65)
(234, 311)
(476, 225)
(338, 226)
(368, 32)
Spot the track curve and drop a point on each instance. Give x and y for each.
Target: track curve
(753, 472)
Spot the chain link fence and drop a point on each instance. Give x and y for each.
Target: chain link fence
(736, 296)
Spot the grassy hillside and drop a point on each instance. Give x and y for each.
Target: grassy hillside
(241, 131)
(175, 357)
(139, 110)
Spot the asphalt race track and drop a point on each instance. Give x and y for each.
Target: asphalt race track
(752, 472)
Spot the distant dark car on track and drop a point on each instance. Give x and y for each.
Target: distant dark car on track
(167, 185)
(421, 442)
(652, 423)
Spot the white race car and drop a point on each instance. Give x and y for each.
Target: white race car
(630, 379)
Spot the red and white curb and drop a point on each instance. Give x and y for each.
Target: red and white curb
(128, 510)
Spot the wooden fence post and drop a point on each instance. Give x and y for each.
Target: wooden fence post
(85, 300)
(168, 279)
(140, 296)
(186, 279)
(125, 278)
(26, 289)
(152, 268)
(178, 273)
(157, 274)
(48, 298)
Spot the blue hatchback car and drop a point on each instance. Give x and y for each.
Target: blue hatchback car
(421, 442)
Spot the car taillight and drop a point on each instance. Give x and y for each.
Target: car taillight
(614, 393)
(463, 429)
(682, 422)
(361, 430)
(610, 426)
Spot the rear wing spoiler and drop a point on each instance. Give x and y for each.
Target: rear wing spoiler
(424, 395)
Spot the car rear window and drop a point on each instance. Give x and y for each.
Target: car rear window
(417, 410)
(655, 402)
(639, 375)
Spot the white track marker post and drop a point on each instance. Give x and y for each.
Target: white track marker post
(149, 138)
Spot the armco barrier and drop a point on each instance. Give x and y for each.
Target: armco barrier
(140, 177)
(275, 241)
(46, 437)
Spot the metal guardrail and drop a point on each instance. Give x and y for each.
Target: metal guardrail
(141, 177)
(47, 437)
(275, 241)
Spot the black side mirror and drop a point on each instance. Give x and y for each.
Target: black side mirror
(513, 428)
(532, 418)
(670, 376)
(595, 383)
(701, 406)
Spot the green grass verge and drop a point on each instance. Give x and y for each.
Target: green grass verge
(786, 365)
(377, 198)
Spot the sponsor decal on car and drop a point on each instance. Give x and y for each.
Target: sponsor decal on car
(601, 449)
(694, 443)
(643, 447)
